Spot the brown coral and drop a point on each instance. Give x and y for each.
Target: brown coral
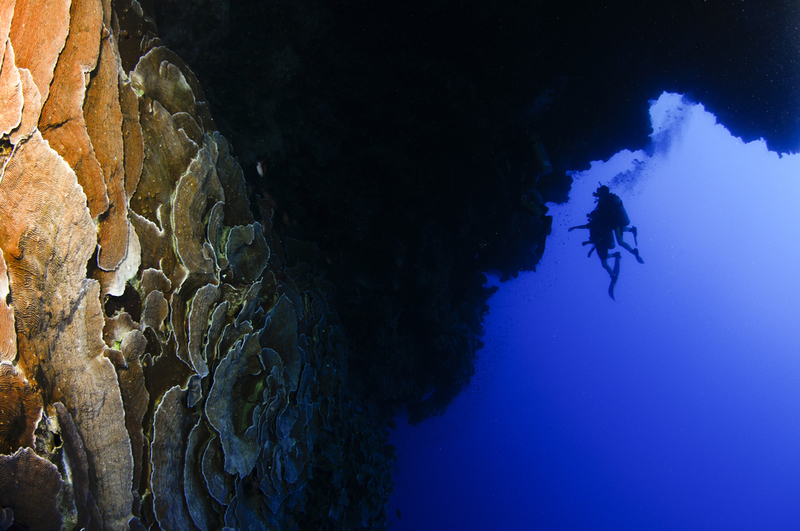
(103, 117)
(10, 92)
(8, 337)
(39, 30)
(175, 352)
(29, 486)
(62, 122)
(20, 409)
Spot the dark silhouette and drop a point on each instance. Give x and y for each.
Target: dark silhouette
(607, 221)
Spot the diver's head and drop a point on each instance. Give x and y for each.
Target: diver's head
(601, 191)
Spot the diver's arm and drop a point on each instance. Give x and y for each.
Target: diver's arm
(578, 227)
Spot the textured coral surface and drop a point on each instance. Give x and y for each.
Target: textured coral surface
(173, 354)
(165, 363)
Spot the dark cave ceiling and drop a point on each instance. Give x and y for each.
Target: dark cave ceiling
(583, 64)
(396, 136)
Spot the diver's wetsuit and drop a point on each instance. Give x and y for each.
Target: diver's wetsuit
(601, 238)
(607, 220)
(610, 212)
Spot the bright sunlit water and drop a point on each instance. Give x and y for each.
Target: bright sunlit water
(677, 407)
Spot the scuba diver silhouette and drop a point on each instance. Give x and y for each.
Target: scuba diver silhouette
(607, 221)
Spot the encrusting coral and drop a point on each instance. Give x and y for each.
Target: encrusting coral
(166, 361)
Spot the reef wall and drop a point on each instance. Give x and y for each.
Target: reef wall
(401, 137)
(167, 361)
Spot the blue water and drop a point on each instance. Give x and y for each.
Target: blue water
(677, 407)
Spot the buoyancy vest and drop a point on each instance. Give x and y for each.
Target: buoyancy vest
(611, 212)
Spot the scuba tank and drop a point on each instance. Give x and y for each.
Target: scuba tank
(617, 212)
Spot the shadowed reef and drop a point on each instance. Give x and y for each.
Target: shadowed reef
(191, 343)
(399, 137)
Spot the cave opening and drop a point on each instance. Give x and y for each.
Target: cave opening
(674, 407)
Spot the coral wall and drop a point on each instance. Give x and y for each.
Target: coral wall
(166, 361)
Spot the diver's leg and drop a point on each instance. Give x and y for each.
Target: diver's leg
(633, 231)
(635, 252)
(614, 276)
(608, 268)
(618, 234)
(603, 255)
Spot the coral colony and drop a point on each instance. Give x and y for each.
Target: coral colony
(165, 360)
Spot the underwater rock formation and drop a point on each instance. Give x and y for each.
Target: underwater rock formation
(170, 357)
(167, 361)
(400, 137)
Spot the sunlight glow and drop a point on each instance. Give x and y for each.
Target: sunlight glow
(675, 407)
